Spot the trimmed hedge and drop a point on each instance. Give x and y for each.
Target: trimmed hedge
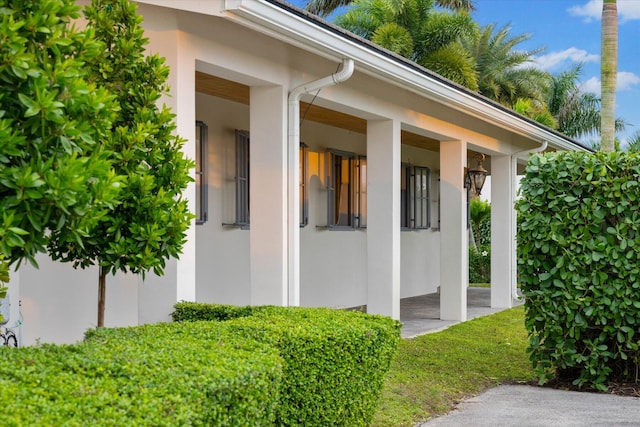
(194, 311)
(334, 361)
(197, 374)
(579, 265)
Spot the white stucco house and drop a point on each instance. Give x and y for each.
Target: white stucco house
(330, 173)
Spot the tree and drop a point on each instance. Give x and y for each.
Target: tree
(4, 279)
(479, 211)
(54, 178)
(324, 8)
(148, 225)
(415, 30)
(502, 71)
(577, 113)
(633, 142)
(609, 71)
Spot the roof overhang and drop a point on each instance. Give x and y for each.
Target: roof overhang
(297, 27)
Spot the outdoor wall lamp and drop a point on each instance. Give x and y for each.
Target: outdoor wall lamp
(475, 176)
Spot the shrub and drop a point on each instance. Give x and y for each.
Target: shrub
(480, 264)
(193, 311)
(578, 265)
(163, 374)
(334, 361)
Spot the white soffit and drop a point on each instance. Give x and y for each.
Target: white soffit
(276, 21)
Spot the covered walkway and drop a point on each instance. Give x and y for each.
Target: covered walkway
(420, 315)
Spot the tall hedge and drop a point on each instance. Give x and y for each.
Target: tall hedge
(579, 265)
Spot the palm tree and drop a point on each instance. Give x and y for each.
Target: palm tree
(577, 113)
(609, 71)
(325, 7)
(633, 142)
(503, 74)
(479, 211)
(415, 30)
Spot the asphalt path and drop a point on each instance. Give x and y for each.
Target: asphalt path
(527, 406)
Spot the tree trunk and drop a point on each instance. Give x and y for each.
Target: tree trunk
(102, 291)
(609, 72)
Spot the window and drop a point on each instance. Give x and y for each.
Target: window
(346, 190)
(361, 192)
(304, 192)
(414, 197)
(242, 179)
(201, 173)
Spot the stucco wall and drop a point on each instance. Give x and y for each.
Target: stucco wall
(333, 262)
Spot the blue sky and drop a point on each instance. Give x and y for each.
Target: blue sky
(569, 30)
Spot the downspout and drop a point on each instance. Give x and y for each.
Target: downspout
(514, 217)
(293, 198)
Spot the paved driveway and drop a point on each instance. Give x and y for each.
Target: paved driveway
(526, 406)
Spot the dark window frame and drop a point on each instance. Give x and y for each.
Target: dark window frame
(242, 179)
(415, 197)
(202, 188)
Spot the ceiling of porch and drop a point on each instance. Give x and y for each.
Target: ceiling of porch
(237, 92)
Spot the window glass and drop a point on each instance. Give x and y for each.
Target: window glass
(242, 178)
(414, 197)
(304, 195)
(361, 195)
(341, 189)
(201, 176)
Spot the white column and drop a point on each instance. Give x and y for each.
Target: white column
(454, 237)
(157, 295)
(383, 217)
(501, 231)
(268, 195)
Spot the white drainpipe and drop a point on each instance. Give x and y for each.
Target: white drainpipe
(514, 218)
(294, 172)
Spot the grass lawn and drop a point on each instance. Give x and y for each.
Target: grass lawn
(431, 373)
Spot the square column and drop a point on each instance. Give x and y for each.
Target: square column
(501, 231)
(383, 217)
(268, 195)
(157, 295)
(454, 235)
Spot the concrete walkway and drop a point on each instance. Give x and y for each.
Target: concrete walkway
(526, 406)
(515, 405)
(420, 315)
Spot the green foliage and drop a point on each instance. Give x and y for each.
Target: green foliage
(149, 223)
(416, 30)
(502, 66)
(480, 216)
(52, 172)
(196, 374)
(480, 264)
(633, 142)
(193, 311)
(4, 278)
(577, 113)
(334, 361)
(579, 265)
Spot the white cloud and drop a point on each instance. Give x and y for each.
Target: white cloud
(592, 85)
(626, 81)
(592, 10)
(551, 60)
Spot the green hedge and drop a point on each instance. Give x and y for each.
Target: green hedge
(196, 374)
(194, 311)
(579, 265)
(334, 361)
